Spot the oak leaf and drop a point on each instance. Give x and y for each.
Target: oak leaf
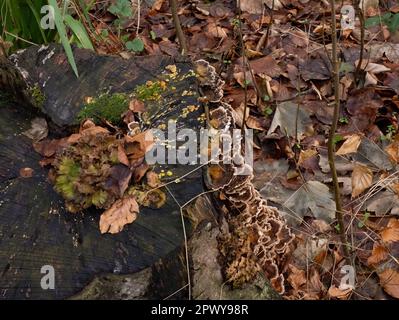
(122, 212)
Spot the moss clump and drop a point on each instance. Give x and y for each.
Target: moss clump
(38, 97)
(150, 91)
(68, 172)
(85, 172)
(107, 106)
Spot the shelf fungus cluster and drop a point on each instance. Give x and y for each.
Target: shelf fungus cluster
(258, 236)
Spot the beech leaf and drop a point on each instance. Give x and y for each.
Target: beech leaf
(350, 145)
(362, 178)
(389, 280)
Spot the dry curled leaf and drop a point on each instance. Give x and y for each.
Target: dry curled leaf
(350, 145)
(122, 212)
(26, 172)
(153, 179)
(391, 232)
(137, 146)
(297, 277)
(335, 292)
(389, 280)
(362, 178)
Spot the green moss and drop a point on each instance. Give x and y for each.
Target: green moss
(68, 174)
(38, 97)
(99, 198)
(107, 106)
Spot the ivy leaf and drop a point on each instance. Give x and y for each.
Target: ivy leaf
(137, 45)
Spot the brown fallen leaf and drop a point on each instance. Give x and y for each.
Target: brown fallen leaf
(306, 155)
(362, 178)
(153, 179)
(391, 232)
(256, 6)
(137, 146)
(38, 130)
(297, 277)
(350, 145)
(122, 212)
(335, 292)
(393, 150)
(379, 254)
(136, 105)
(122, 157)
(389, 280)
(26, 173)
(118, 180)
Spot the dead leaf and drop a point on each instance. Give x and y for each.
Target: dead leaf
(266, 65)
(122, 157)
(140, 171)
(393, 150)
(362, 178)
(256, 6)
(136, 105)
(122, 212)
(215, 31)
(286, 118)
(379, 254)
(335, 292)
(137, 146)
(389, 280)
(153, 179)
(297, 277)
(391, 232)
(38, 130)
(26, 173)
(118, 180)
(306, 155)
(390, 50)
(157, 4)
(350, 145)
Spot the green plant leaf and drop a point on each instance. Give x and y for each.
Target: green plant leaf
(59, 23)
(79, 31)
(137, 45)
(121, 9)
(394, 23)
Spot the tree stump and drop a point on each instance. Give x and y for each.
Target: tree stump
(35, 229)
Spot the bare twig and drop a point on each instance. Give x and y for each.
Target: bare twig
(179, 30)
(360, 13)
(264, 40)
(331, 144)
(244, 65)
